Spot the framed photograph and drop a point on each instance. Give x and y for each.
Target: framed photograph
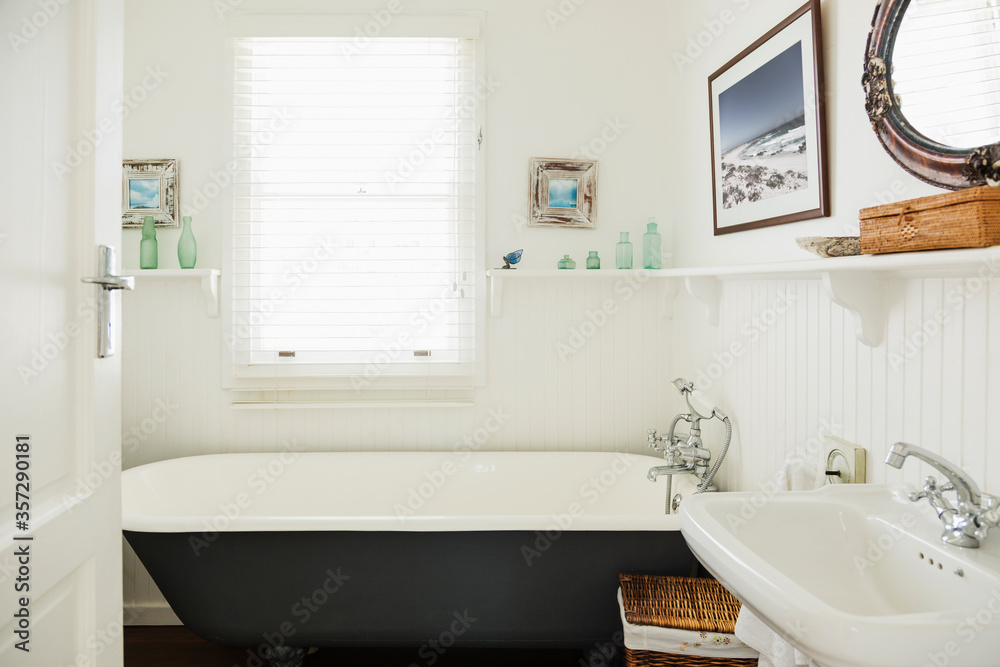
(768, 129)
(149, 187)
(563, 193)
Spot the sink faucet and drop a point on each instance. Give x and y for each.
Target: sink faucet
(965, 525)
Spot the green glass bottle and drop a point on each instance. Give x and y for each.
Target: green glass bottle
(148, 253)
(593, 261)
(566, 263)
(651, 258)
(623, 252)
(187, 247)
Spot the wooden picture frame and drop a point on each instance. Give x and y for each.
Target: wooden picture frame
(563, 193)
(149, 187)
(768, 129)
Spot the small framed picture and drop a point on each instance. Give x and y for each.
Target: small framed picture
(149, 187)
(563, 193)
(768, 129)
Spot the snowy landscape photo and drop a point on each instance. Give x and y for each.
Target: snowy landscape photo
(762, 129)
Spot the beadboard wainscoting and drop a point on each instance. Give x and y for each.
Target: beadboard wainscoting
(786, 365)
(587, 364)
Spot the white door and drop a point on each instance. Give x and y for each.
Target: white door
(60, 193)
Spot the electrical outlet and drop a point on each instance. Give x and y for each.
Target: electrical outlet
(848, 461)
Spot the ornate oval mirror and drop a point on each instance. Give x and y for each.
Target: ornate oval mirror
(932, 83)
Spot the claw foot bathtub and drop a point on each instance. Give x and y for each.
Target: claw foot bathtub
(284, 551)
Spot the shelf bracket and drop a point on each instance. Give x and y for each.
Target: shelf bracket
(863, 294)
(210, 288)
(708, 290)
(496, 296)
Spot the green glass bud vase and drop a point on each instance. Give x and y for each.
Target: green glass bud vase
(593, 261)
(148, 252)
(623, 252)
(187, 247)
(566, 263)
(651, 257)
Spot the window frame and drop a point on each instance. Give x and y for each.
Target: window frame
(271, 377)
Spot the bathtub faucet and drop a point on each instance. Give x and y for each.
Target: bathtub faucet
(686, 452)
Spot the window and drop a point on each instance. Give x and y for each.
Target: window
(355, 211)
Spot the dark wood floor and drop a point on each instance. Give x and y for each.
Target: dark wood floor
(169, 646)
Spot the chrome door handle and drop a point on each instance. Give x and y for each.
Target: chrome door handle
(109, 281)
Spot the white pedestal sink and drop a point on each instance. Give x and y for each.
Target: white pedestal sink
(853, 576)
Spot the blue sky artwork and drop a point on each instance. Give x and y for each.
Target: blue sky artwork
(143, 193)
(768, 97)
(563, 193)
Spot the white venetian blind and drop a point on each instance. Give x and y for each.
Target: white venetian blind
(946, 70)
(354, 206)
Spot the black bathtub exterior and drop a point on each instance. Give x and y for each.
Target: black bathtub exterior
(429, 590)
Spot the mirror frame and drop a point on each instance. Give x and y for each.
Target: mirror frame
(934, 163)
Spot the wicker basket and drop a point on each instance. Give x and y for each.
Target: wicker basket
(963, 219)
(678, 602)
(635, 658)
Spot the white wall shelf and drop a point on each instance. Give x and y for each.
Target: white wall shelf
(209, 282)
(858, 284)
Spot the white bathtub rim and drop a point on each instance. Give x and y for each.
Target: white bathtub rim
(570, 516)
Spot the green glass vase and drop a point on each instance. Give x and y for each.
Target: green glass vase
(623, 252)
(187, 247)
(593, 261)
(148, 252)
(651, 255)
(566, 263)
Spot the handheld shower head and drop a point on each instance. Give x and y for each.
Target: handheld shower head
(697, 403)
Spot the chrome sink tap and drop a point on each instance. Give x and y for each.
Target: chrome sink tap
(965, 525)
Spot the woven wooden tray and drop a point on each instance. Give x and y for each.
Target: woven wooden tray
(678, 602)
(967, 218)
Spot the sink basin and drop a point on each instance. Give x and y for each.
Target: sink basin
(853, 576)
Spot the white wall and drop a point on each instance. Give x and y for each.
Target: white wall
(861, 173)
(561, 85)
(615, 60)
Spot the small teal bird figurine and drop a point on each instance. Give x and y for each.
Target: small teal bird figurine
(511, 258)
